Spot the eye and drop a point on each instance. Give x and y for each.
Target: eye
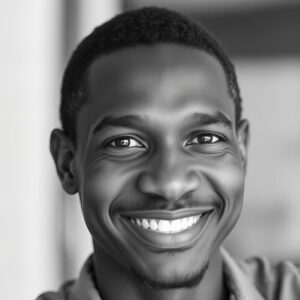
(125, 142)
(204, 138)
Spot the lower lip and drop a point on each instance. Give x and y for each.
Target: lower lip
(174, 241)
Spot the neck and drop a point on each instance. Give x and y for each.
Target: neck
(114, 282)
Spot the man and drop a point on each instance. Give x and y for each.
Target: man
(154, 143)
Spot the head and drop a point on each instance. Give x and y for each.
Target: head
(146, 26)
(154, 143)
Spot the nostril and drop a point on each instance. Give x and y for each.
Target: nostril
(155, 196)
(188, 194)
(169, 186)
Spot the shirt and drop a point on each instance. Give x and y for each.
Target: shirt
(252, 279)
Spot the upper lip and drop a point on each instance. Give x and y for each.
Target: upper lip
(167, 215)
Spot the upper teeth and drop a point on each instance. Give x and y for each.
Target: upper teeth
(166, 226)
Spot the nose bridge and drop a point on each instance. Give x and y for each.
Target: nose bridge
(169, 168)
(169, 175)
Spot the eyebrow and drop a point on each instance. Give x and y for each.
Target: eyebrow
(218, 118)
(201, 119)
(122, 121)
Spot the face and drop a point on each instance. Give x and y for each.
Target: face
(159, 161)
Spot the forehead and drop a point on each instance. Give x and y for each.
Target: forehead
(157, 79)
(136, 67)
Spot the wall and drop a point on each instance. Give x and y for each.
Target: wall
(270, 220)
(30, 64)
(33, 52)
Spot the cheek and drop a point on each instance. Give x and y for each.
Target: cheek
(226, 177)
(98, 190)
(229, 183)
(228, 173)
(231, 180)
(100, 187)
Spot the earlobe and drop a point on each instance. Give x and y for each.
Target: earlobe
(243, 140)
(63, 153)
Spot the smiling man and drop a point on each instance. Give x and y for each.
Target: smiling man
(154, 143)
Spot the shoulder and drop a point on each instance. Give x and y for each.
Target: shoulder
(274, 281)
(61, 294)
(82, 288)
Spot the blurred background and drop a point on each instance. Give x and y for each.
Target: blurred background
(44, 239)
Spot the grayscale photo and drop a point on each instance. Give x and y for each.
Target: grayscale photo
(150, 150)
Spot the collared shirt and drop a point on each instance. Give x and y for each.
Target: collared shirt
(253, 279)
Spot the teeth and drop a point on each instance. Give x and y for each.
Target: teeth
(166, 226)
(176, 225)
(153, 225)
(145, 224)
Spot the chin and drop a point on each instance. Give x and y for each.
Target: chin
(172, 282)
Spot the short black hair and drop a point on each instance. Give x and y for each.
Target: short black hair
(148, 25)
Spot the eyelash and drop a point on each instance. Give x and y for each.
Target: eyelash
(203, 135)
(137, 144)
(112, 143)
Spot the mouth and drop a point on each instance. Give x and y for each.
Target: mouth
(166, 226)
(162, 230)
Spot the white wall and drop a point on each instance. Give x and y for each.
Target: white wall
(30, 62)
(31, 66)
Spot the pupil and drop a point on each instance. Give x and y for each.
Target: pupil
(122, 142)
(205, 139)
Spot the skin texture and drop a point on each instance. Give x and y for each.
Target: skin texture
(168, 105)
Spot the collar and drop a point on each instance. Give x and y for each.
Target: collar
(239, 285)
(84, 287)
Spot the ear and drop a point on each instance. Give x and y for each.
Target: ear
(63, 153)
(243, 140)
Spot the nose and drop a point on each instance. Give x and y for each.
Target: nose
(169, 181)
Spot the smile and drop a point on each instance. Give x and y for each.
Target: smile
(167, 230)
(166, 226)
